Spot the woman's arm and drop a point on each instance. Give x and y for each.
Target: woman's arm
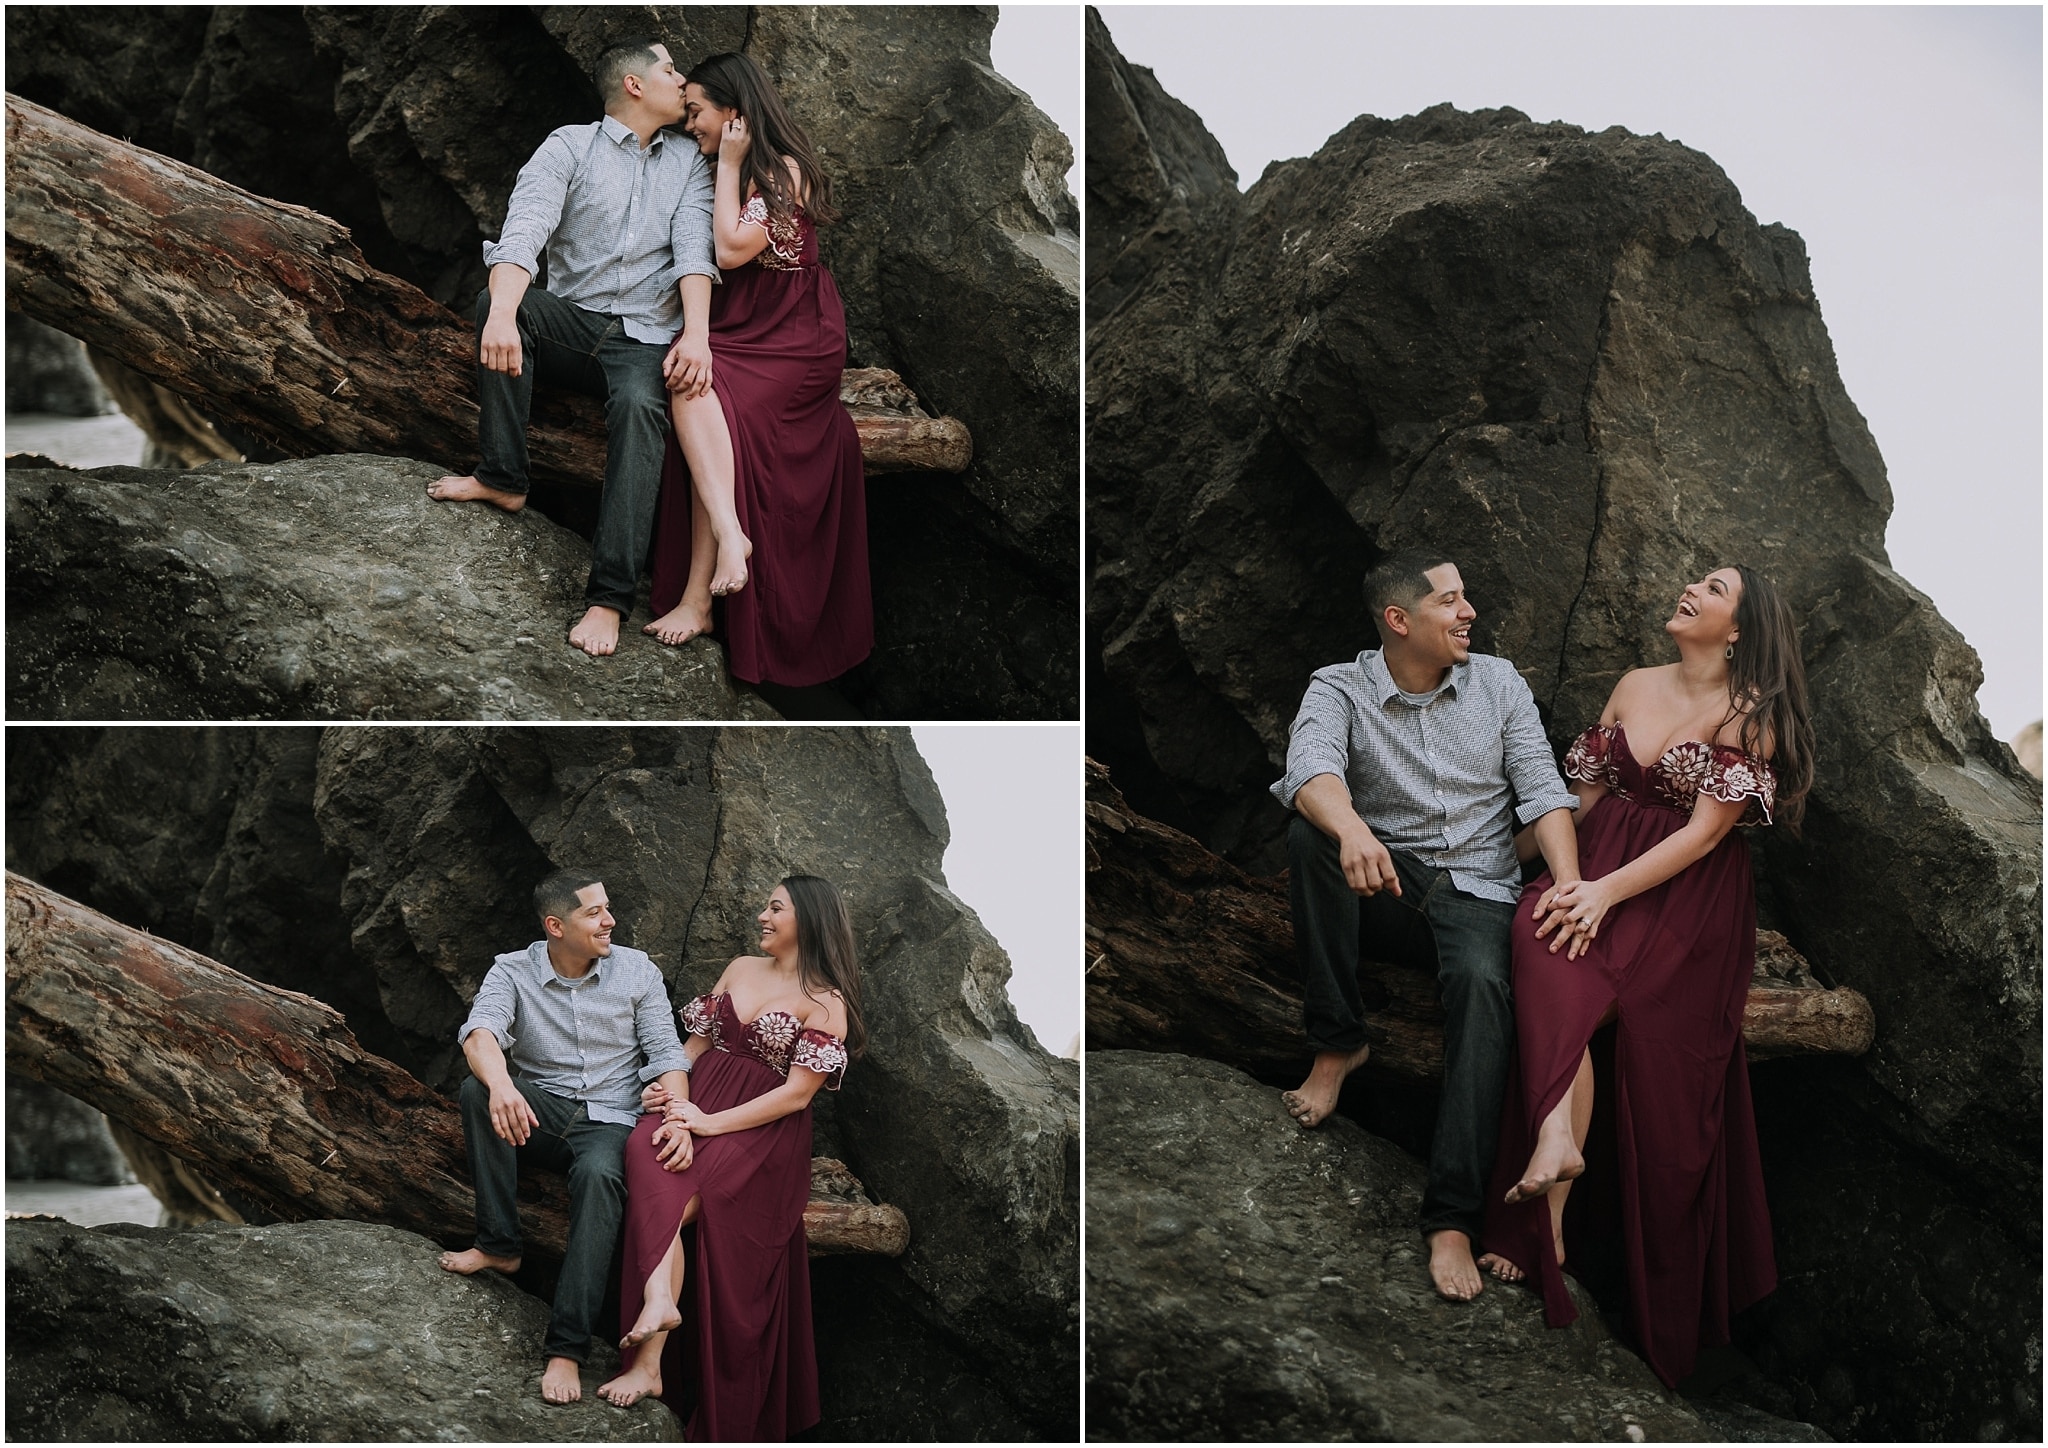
(792, 1095)
(1586, 903)
(733, 243)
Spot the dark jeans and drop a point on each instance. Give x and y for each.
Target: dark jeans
(590, 353)
(593, 1153)
(1431, 923)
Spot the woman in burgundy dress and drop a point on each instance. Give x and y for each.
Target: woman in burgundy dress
(1659, 938)
(716, 1184)
(775, 526)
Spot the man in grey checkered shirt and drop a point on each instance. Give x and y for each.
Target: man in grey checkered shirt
(1408, 770)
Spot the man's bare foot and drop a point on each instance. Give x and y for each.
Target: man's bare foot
(470, 490)
(1501, 1268)
(563, 1381)
(654, 1317)
(1451, 1266)
(470, 1260)
(641, 1380)
(597, 632)
(1316, 1097)
(730, 574)
(1554, 1160)
(681, 624)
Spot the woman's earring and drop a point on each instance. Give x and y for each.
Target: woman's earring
(1729, 652)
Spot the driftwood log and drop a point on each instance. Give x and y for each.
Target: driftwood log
(265, 316)
(1186, 952)
(267, 1093)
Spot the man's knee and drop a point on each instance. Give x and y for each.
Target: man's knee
(474, 1095)
(1475, 982)
(600, 1169)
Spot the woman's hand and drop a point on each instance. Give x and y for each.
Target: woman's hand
(1585, 905)
(1549, 916)
(690, 1116)
(734, 142)
(674, 1147)
(654, 1098)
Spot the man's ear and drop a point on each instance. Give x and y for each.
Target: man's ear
(552, 927)
(1396, 619)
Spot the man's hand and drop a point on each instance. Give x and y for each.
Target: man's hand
(687, 368)
(511, 1117)
(1578, 911)
(674, 1147)
(499, 349)
(654, 1097)
(1368, 868)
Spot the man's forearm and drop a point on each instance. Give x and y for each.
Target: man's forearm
(1557, 836)
(696, 305)
(1325, 802)
(485, 1056)
(676, 1083)
(509, 282)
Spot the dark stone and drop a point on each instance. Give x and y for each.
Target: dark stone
(330, 1331)
(1578, 362)
(1250, 1280)
(403, 859)
(330, 588)
(48, 372)
(957, 229)
(51, 1137)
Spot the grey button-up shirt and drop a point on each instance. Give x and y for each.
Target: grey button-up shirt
(583, 1039)
(622, 227)
(1445, 776)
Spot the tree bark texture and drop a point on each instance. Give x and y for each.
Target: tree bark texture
(267, 317)
(266, 1092)
(1188, 953)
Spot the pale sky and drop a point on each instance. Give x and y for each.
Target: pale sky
(1903, 143)
(1013, 801)
(1037, 48)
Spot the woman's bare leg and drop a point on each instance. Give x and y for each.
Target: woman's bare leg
(660, 1315)
(1580, 1100)
(707, 448)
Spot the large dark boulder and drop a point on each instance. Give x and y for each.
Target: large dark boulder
(1576, 361)
(323, 1331)
(48, 372)
(53, 1137)
(331, 588)
(409, 124)
(386, 867)
(1249, 1280)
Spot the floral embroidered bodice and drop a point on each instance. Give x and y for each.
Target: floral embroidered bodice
(792, 243)
(777, 1039)
(1687, 769)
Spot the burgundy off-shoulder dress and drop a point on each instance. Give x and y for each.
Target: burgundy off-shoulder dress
(1672, 1169)
(778, 348)
(745, 1341)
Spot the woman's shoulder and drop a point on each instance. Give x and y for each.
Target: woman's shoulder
(826, 1011)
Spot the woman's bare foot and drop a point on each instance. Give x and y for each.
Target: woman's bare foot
(681, 624)
(730, 574)
(1559, 1241)
(642, 1380)
(1316, 1097)
(654, 1317)
(470, 1260)
(1451, 1266)
(469, 490)
(563, 1381)
(1555, 1160)
(597, 632)
(1501, 1268)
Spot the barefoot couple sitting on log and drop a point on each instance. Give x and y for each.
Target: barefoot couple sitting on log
(577, 1067)
(756, 498)
(1408, 770)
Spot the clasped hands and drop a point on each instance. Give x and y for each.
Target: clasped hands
(675, 1145)
(1574, 911)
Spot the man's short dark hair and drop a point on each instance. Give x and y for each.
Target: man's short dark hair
(556, 895)
(1397, 581)
(619, 61)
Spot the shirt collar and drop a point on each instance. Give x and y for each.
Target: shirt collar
(538, 953)
(622, 134)
(1373, 663)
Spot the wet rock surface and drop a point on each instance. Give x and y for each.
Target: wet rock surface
(317, 1330)
(387, 867)
(329, 588)
(1251, 1280)
(957, 228)
(48, 372)
(52, 1137)
(1576, 361)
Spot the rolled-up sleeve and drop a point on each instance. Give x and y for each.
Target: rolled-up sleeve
(690, 227)
(655, 1024)
(536, 206)
(1319, 742)
(495, 1009)
(1532, 771)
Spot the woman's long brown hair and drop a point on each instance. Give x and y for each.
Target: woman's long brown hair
(825, 958)
(1767, 677)
(733, 82)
